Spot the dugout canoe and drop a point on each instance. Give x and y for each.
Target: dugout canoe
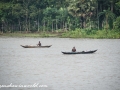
(82, 52)
(29, 46)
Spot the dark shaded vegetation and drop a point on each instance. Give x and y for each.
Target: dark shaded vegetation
(62, 18)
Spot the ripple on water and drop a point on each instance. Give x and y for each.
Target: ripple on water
(98, 71)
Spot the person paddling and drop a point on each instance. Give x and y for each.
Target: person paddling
(73, 49)
(39, 44)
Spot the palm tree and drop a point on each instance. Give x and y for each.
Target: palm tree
(83, 9)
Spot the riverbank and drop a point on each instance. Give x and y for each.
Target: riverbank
(36, 34)
(96, 34)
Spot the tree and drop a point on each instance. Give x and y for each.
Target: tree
(18, 14)
(117, 23)
(30, 15)
(83, 9)
(108, 17)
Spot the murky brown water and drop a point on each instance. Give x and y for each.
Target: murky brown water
(48, 66)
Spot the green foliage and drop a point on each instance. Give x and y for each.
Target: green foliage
(54, 15)
(117, 8)
(77, 33)
(82, 33)
(107, 34)
(109, 17)
(117, 23)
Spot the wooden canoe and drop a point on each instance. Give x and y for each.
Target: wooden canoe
(28, 46)
(82, 52)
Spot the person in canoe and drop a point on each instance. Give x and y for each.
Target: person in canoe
(73, 49)
(39, 44)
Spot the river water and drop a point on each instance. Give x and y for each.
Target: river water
(56, 71)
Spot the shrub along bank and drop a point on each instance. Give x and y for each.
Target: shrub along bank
(80, 33)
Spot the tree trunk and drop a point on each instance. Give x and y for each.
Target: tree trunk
(100, 9)
(29, 23)
(26, 4)
(26, 21)
(52, 26)
(83, 21)
(69, 25)
(44, 26)
(63, 25)
(111, 6)
(56, 25)
(38, 24)
(19, 25)
(38, 19)
(2, 27)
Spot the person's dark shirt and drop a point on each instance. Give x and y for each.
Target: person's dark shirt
(39, 44)
(73, 50)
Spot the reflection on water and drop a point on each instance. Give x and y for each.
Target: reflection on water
(48, 66)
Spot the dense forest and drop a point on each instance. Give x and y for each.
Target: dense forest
(64, 15)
